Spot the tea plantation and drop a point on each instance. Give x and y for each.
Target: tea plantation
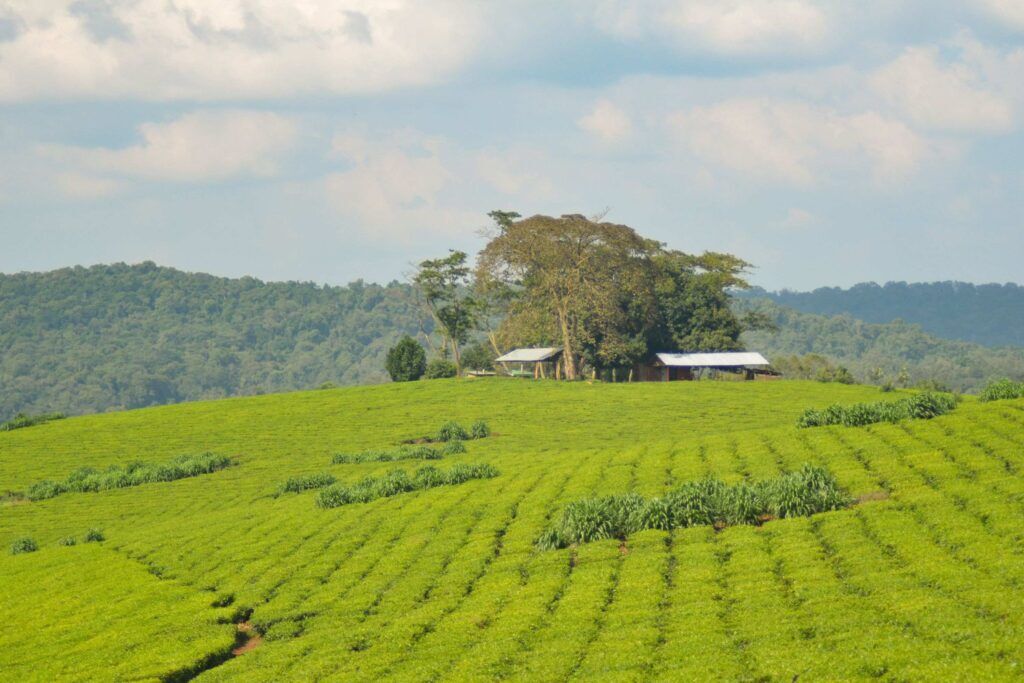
(921, 578)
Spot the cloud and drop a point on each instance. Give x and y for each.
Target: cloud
(204, 146)
(942, 96)
(728, 27)
(229, 49)
(607, 122)
(797, 143)
(1010, 12)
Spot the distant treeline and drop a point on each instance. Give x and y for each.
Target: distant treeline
(81, 340)
(991, 315)
(898, 353)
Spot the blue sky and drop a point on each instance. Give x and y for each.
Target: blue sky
(826, 142)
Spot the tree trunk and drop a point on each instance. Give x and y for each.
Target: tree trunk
(567, 352)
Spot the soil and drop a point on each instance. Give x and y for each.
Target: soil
(249, 639)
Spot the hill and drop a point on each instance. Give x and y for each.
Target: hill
(882, 352)
(81, 340)
(920, 580)
(991, 315)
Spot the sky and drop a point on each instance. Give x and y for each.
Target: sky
(828, 143)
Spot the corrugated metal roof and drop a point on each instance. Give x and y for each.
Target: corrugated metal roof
(529, 355)
(712, 360)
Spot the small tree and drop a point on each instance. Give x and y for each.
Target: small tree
(444, 284)
(439, 368)
(406, 360)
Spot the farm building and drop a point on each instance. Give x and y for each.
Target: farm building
(543, 361)
(667, 367)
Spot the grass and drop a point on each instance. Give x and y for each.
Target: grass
(922, 580)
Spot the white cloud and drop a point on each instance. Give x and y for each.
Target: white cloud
(942, 96)
(228, 49)
(1009, 11)
(516, 173)
(607, 122)
(798, 219)
(205, 146)
(730, 27)
(797, 143)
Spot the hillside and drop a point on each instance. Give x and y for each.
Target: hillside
(82, 340)
(880, 352)
(991, 315)
(920, 580)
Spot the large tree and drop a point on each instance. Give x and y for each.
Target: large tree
(444, 285)
(584, 283)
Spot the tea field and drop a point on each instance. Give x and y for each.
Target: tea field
(921, 579)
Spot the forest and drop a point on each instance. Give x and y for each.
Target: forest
(989, 314)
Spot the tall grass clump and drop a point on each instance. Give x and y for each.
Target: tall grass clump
(90, 480)
(389, 455)
(922, 406)
(707, 502)
(24, 545)
(306, 482)
(94, 536)
(21, 420)
(1002, 389)
(451, 431)
(398, 481)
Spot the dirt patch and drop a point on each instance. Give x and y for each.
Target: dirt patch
(623, 548)
(248, 639)
(874, 495)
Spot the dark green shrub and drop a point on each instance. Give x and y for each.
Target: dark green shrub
(24, 545)
(398, 481)
(478, 356)
(307, 482)
(68, 541)
(406, 361)
(922, 406)
(94, 536)
(807, 491)
(479, 430)
(1002, 389)
(406, 452)
(451, 431)
(21, 420)
(453, 448)
(440, 369)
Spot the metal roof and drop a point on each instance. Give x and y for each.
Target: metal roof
(529, 355)
(712, 360)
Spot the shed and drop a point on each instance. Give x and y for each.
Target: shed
(538, 357)
(666, 367)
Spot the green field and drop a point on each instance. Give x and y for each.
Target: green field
(922, 580)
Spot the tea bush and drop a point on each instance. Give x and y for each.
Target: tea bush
(1002, 389)
(709, 501)
(89, 479)
(398, 481)
(24, 545)
(22, 420)
(307, 482)
(922, 406)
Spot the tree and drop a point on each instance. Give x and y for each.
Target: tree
(581, 282)
(406, 360)
(444, 284)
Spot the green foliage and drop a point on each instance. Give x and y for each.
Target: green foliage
(24, 545)
(406, 361)
(922, 406)
(306, 482)
(398, 481)
(21, 420)
(94, 536)
(1002, 389)
(82, 340)
(454, 447)
(67, 541)
(439, 368)
(893, 352)
(802, 493)
(478, 356)
(451, 431)
(89, 479)
(479, 430)
(405, 452)
(444, 285)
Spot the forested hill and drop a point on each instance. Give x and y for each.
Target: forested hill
(880, 353)
(992, 315)
(107, 337)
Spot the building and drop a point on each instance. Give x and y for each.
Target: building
(667, 367)
(543, 361)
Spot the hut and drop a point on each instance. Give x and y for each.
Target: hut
(668, 367)
(538, 358)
